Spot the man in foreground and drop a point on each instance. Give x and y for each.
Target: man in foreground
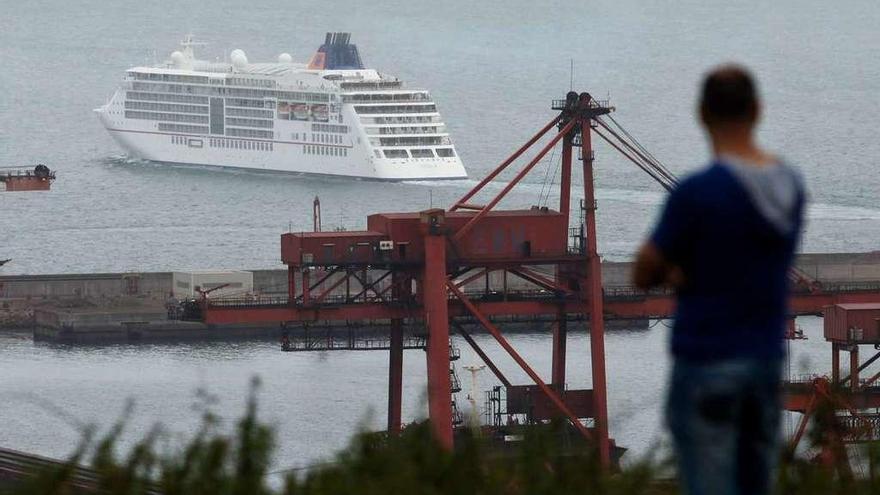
(726, 240)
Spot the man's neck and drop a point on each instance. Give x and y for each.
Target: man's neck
(739, 143)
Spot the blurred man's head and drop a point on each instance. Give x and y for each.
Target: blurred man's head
(729, 99)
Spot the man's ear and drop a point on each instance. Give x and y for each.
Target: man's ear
(703, 115)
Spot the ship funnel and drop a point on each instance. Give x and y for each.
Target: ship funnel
(337, 54)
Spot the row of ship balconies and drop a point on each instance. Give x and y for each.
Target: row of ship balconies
(398, 108)
(406, 130)
(411, 141)
(386, 97)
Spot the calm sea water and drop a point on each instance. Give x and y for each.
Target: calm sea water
(493, 69)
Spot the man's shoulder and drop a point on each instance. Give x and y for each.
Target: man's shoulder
(703, 181)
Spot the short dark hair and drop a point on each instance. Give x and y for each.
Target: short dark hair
(729, 96)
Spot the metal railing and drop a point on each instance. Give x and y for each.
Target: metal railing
(348, 343)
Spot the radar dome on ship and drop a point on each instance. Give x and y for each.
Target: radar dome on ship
(285, 58)
(238, 58)
(177, 59)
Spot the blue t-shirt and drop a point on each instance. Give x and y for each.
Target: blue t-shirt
(733, 230)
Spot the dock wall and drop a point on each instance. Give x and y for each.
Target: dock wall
(829, 267)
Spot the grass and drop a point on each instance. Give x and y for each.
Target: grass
(411, 463)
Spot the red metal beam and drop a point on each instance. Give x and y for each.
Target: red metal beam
(436, 311)
(291, 285)
(546, 390)
(538, 279)
(369, 286)
(460, 203)
(862, 367)
(333, 287)
(648, 307)
(395, 376)
(802, 425)
(480, 273)
(565, 181)
(468, 226)
(595, 302)
(560, 340)
(560, 328)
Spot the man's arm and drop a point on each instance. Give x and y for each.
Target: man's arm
(658, 258)
(652, 269)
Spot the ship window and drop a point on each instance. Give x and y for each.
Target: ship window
(422, 153)
(396, 154)
(445, 152)
(216, 115)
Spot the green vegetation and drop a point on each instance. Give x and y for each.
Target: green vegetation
(412, 463)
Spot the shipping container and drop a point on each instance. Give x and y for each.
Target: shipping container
(853, 323)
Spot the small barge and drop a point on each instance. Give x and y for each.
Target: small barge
(39, 178)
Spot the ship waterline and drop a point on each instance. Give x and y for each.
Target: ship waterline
(329, 117)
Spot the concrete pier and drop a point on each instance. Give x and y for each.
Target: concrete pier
(107, 307)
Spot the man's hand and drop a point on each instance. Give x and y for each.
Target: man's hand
(652, 269)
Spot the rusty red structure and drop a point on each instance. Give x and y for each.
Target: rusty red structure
(422, 263)
(39, 178)
(443, 271)
(854, 400)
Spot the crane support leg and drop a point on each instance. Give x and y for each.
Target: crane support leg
(395, 376)
(594, 303)
(560, 336)
(437, 320)
(854, 367)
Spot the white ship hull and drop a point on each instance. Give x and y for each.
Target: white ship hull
(283, 157)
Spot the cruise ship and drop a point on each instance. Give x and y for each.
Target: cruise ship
(330, 116)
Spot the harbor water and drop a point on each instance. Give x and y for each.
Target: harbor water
(493, 69)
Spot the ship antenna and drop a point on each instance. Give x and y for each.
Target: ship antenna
(571, 75)
(188, 43)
